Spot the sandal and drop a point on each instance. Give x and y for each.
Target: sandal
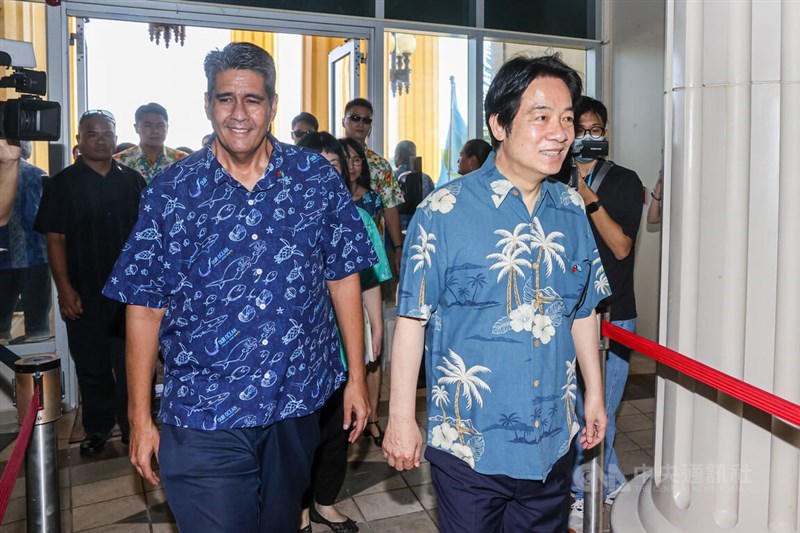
(378, 440)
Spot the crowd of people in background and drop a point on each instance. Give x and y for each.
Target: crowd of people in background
(275, 255)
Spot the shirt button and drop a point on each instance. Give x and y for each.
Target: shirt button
(250, 202)
(259, 271)
(515, 192)
(536, 343)
(262, 306)
(264, 342)
(536, 424)
(255, 236)
(536, 383)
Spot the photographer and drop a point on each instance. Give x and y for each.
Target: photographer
(23, 268)
(613, 196)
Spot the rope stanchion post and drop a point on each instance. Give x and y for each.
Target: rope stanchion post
(593, 502)
(42, 374)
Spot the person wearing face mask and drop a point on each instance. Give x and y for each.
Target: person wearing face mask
(613, 196)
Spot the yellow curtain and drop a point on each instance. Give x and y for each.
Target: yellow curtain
(25, 21)
(315, 76)
(267, 41)
(418, 111)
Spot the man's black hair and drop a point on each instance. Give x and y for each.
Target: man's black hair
(322, 141)
(512, 80)
(478, 148)
(364, 179)
(152, 107)
(240, 56)
(587, 104)
(306, 117)
(361, 102)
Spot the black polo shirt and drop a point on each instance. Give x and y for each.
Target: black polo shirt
(96, 214)
(622, 195)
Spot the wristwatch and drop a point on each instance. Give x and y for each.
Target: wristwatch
(592, 207)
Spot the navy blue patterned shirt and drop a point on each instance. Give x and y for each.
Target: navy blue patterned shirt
(500, 288)
(248, 336)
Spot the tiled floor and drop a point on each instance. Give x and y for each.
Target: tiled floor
(104, 493)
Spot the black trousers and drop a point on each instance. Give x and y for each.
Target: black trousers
(330, 460)
(33, 284)
(97, 347)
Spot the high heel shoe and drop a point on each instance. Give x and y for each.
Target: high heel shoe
(378, 440)
(348, 526)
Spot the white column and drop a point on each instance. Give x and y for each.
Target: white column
(731, 293)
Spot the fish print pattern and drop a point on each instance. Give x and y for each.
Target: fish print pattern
(248, 332)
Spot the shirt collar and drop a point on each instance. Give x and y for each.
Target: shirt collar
(499, 187)
(267, 181)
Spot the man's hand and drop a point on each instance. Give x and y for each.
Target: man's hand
(596, 421)
(398, 257)
(356, 407)
(143, 448)
(402, 444)
(69, 302)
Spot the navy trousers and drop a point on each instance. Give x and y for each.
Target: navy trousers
(247, 480)
(470, 502)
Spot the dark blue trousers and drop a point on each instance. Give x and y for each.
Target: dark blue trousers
(470, 502)
(247, 480)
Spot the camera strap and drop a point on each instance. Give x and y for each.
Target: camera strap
(598, 178)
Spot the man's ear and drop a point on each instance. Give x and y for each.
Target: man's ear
(136, 127)
(498, 130)
(207, 105)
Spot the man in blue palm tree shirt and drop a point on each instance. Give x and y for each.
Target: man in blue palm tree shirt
(501, 357)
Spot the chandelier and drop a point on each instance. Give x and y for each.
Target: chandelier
(401, 46)
(174, 32)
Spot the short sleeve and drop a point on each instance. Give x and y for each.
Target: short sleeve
(423, 266)
(629, 204)
(52, 214)
(345, 244)
(597, 286)
(140, 275)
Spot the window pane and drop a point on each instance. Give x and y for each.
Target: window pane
(456, 12)
(567, 18)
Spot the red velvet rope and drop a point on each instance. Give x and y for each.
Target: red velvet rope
(766, 401)
(18, 453)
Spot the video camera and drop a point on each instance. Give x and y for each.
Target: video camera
(28, 118)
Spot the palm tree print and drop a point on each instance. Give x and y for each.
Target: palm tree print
(570, 388)
(422, 255)
(549, 252)
(467, 385)
(441, 398)
(508, 261)
(509, 421)
(477, 281)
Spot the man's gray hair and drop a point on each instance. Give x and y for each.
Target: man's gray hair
(241, 56)
(405, 152)
(26, 149)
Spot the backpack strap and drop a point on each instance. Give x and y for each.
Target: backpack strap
(598, 178)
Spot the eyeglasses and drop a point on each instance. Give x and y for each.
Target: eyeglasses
(355, 161)
(594, 131)
(300, 133)
(98, 113)
(359, 118)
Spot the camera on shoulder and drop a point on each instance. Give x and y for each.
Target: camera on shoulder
(28, 118)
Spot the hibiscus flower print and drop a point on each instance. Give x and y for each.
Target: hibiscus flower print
(521, 318)
(442, 201)
(543, 328)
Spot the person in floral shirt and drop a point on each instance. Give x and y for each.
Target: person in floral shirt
(357, 123)
(150, 157)
(501, 266)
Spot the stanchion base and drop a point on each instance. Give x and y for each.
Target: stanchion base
(634, 510)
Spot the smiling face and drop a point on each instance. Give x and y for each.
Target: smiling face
(152, 129)
(354, 165)
(240, 112)
(541, 132)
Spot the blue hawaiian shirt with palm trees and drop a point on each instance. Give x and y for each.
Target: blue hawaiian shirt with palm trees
(499, 289)
(248, 336)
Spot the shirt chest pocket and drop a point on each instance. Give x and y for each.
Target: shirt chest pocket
(574, 284)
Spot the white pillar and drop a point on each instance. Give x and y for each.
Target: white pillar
(731, 287)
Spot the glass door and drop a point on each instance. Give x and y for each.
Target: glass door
(344, 80)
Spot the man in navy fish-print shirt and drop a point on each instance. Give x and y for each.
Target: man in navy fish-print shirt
(241, 254)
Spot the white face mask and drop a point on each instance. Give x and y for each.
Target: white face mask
(577, 146)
